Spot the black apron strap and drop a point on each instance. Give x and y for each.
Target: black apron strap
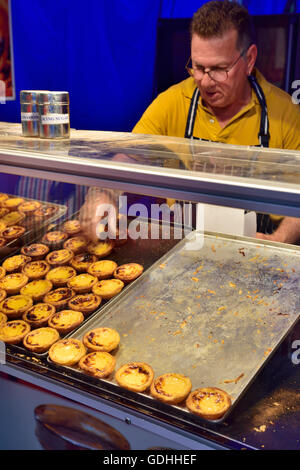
(189, 129)
(264, 221)
(264, 134)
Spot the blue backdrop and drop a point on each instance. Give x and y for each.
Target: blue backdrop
(101, 51)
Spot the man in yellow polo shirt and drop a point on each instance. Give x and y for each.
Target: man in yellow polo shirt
(167, 115)
(226, 99)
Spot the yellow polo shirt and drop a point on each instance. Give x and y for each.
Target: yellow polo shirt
(167, 115)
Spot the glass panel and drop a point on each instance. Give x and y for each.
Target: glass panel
(194, 158)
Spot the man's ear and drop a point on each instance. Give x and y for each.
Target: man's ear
(251, 58)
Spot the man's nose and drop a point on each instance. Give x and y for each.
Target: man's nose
(206, 80)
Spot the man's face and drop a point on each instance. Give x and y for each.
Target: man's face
(221, 53)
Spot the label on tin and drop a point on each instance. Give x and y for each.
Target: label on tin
(25, 117)
(55, 119)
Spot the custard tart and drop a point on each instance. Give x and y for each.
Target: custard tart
(128, 272)
(101, 248)
(82, 261)
(14, 306)
(3, 198)
(28, 207)
(2, 272)
(15, 263)
(72, 227)
(171, 388)
(60, 275)
(59, 257)
(102, 339)
(209, 402)
(40, 340)
(99, 364)
(85, 303)
(13, 232)
(36, 251)
(66, 320)
(108, 288)
(82, 283)
(103, 269)
(67, 352)
(13, 283)
(39, 314)
(12, 218)
(135, 376)
(3, 294)
(54, 239)
(76, 244)
(44, 212)
(59, 297)
(3, 225)
(13, 332)
(12, 203)
(36, 269)
(3, 319)
(37, 289)
(3, 211)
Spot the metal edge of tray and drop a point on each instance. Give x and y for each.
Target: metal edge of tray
(146, 397)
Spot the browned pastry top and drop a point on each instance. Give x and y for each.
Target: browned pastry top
(209, 402)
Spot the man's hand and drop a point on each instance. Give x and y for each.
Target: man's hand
(94, 212)
(99, 206)
(287, 232)
(265, 236)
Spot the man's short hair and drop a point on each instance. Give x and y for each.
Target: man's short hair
(215, 18)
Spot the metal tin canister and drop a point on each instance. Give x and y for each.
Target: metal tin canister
(54, 114)
(30, 117)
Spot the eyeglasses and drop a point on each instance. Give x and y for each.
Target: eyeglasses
(216, 74)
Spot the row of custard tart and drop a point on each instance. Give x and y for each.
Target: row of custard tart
(37, 279)
(43, 319)
(62, 266)
(93, 356)
(25, 207)
(41, 315)
(15, 211)
(37, 341)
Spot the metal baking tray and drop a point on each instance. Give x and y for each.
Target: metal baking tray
(144, 251)
(33, 228)
(216, 313)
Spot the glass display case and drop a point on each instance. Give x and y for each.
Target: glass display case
(221, 309)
